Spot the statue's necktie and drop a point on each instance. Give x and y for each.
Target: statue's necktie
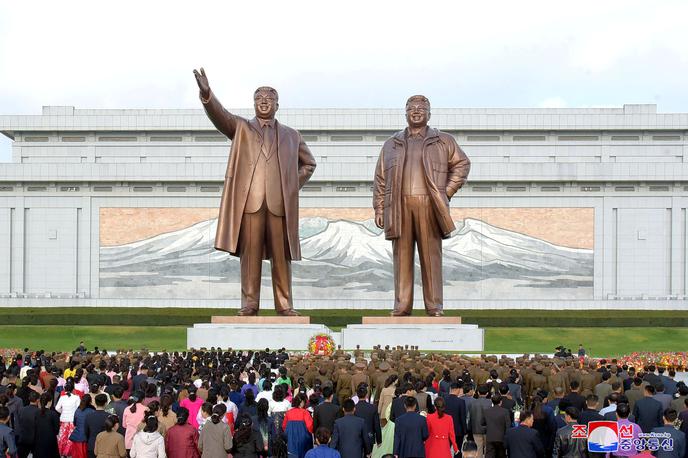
(267, 140)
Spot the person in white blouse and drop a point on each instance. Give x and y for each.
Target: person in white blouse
(266, 392)
(278, 403)
(66, 407)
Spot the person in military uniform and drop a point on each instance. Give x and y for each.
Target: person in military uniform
(556, 379)
(358, 353)
(380, 378)
(359, 376)
(343, 390)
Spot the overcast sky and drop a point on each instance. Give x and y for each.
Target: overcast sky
(140, 54)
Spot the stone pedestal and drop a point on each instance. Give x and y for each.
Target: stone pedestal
(428, 333)
(228, 319)
(254, 332)
(293, 333)
(411, 320)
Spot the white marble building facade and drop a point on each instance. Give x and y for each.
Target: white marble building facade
(564, 208)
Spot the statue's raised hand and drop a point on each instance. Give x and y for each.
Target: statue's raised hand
(202, 81)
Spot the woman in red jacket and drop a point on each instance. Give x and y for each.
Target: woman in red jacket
(441, 433)
(298, 412)
(298, 427)
(181, 440)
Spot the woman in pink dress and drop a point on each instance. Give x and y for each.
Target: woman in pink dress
(193, 403)
(132, 417)
(441, 433)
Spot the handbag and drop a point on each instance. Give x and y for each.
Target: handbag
(72, 436)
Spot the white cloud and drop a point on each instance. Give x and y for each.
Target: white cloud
(635, 31)
(357, 53)
(553, 102)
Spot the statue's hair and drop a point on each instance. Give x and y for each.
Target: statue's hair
(418, 98)
(267, 89)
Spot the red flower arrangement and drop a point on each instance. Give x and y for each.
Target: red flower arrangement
(321, 345)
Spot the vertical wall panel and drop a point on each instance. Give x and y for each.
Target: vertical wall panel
(50, 251)
(77, 234)
(667, 249)
(684, 247)
(5, 250)
(615, 251)
(643, 261)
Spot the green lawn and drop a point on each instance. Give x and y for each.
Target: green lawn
(125, 316)
(598, 341)
(65, 337)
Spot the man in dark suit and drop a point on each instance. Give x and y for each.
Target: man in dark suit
(410, 432)
(139, 378)
(590, 413)
(523, 441)
(573, 399)
(648, 411)
(398, 404)
(683, 417)
(679, 402)
(26, 427)
(95, 423)
(669, 382)
(508, 402)
(650, 377)
(327, 412)
(604, 388)
(368, 413)
(475, 418)
(467, 394)
(662, 397)
(635, 393)
(496, 421)
(456, 408)
(116, 380)
(350, 438)
(678, 437)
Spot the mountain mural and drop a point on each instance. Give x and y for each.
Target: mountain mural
(342, 257)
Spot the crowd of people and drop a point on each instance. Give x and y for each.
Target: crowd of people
(386, 403)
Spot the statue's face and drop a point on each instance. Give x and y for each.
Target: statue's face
(266, 105)
(417, 114)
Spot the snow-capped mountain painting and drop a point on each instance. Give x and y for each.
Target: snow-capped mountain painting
(350, 259)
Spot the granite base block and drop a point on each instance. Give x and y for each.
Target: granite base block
(293, 336)
(253, 336)
(428, 337)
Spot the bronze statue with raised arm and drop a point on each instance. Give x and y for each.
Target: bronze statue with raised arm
(259, 211)
(419, 169)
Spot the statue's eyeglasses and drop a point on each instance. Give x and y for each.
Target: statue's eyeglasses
(260, 98)
(417, 108)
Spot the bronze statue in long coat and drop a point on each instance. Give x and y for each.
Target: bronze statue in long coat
(259, 211)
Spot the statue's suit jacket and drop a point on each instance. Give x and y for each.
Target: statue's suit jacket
(445, 166)
(296, 165)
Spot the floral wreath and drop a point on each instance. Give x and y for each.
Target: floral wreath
(321, 344)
